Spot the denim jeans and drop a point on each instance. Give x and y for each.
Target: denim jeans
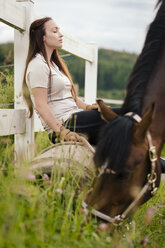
(85, 122)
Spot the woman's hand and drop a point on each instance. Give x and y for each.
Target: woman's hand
(93, 106)
(67, 135)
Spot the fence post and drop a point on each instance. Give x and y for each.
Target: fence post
(23, 143)
(91, 77)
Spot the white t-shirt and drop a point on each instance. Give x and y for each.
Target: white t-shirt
(60, 99)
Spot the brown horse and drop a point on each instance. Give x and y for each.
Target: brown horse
(129, 145)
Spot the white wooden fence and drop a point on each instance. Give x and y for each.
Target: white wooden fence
(19, 14)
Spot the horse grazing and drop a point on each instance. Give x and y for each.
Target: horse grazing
(127, 155)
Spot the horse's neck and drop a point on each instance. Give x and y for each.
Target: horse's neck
(156, 94)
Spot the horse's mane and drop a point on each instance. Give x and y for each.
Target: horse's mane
(146, 63)
(159, 1)
(114, 144)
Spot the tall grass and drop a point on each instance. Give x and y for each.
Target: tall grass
(6, 101)
(48, 213)
(6, 89)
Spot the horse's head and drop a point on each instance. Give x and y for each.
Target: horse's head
(122, 162)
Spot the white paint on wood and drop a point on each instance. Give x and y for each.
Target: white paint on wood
(37, 123)
(113, 101)
(12, 121)
(77, 48)
(25, 1)
(12, 14)
(91, 77)
(108, 101)
(23, 143)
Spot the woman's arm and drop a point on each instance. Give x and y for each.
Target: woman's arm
(81, 104)
(84, 106)
(40, 98)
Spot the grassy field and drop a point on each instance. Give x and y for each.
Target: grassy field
(48, 213)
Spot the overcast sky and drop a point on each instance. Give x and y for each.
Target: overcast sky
(112, 24)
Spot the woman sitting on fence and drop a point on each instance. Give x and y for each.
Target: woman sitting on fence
(48, 86)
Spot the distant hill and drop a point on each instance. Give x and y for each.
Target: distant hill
(114, 67)
(6, 53)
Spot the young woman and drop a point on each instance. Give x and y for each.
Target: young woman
(48, 87)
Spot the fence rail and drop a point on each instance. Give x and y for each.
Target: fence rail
(113, 101)
(12, 121)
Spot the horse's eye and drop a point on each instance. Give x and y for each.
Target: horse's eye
(122, 175)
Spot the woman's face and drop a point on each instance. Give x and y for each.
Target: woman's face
(53, 38)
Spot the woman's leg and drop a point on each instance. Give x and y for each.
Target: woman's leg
(86, 122)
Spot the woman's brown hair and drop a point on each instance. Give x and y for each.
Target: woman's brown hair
(36, 45)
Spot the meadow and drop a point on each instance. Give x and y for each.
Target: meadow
(47, 212)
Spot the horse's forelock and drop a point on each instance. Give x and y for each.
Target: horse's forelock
(114, 144)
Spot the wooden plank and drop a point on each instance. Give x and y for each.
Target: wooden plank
(37, 123)
(25, 1)
(113, 101)
(12, 14)
(90, 91)
(77, 48)
(24, 144)
(12, 121)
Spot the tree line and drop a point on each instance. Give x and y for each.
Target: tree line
(114, 67)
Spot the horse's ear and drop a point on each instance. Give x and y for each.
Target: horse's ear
(142, 127)
(106, 112)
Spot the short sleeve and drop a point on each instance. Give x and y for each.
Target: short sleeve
(38, 74)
